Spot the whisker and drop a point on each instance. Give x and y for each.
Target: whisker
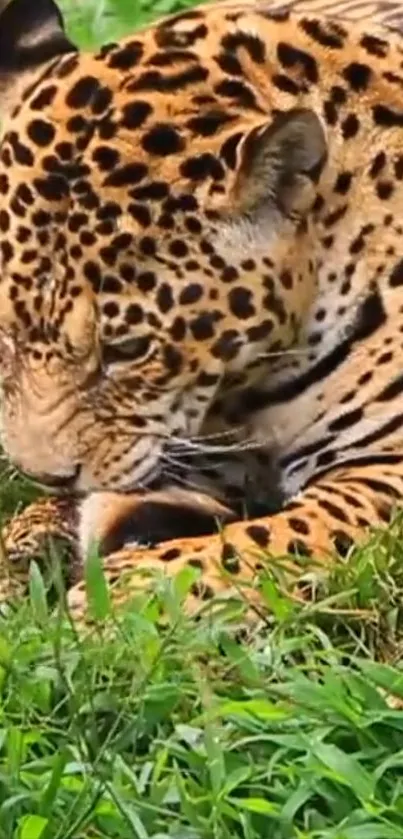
(178, 463)
(230, 432)
(189, 448)
(181, 480)
(300, 351)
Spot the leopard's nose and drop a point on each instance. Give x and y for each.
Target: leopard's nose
(65, 483)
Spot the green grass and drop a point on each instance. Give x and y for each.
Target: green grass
(185, 731)
(96, 21)
(182, 730)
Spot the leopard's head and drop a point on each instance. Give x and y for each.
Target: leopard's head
(152, 217)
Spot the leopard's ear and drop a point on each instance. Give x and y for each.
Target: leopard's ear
(31, 33)
(280, 163)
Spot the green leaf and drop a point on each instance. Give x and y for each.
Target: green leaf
(131, 816)
(280, 606)
(51, 790)
(32, 827)
(235, 779)
(37, 594)
(98, 595)
(15, 750)
(183, 581)
(216, 764)
(187, 804)
(6, 653)
(257, 805)
(239, 656)
(393, 761)
(372, 830)
(345, 769)
(260, 709)
(384, 676)
(296, 800)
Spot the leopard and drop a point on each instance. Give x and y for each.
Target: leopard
(201, 290)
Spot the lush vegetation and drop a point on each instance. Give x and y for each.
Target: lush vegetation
(183, 730)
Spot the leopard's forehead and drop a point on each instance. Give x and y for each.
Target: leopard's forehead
(166, 104)
(170, 103)
(131, 155)
(109, 158)
(168, 107)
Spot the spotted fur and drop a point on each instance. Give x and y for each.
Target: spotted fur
(201, 281)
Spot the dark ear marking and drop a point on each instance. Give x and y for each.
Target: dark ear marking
(31, 32)
(281, 162)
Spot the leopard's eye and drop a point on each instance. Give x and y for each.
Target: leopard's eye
(131, 349)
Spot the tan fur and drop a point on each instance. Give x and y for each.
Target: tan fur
(263, 278)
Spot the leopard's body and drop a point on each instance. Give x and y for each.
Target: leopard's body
(200, 238)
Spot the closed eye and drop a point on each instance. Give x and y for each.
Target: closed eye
(131, 349)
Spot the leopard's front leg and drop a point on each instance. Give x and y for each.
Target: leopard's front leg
(45, 525)
(112, 519)
(326, 519)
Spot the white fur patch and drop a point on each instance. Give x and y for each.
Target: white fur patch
(93, 515)
(243, 237)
